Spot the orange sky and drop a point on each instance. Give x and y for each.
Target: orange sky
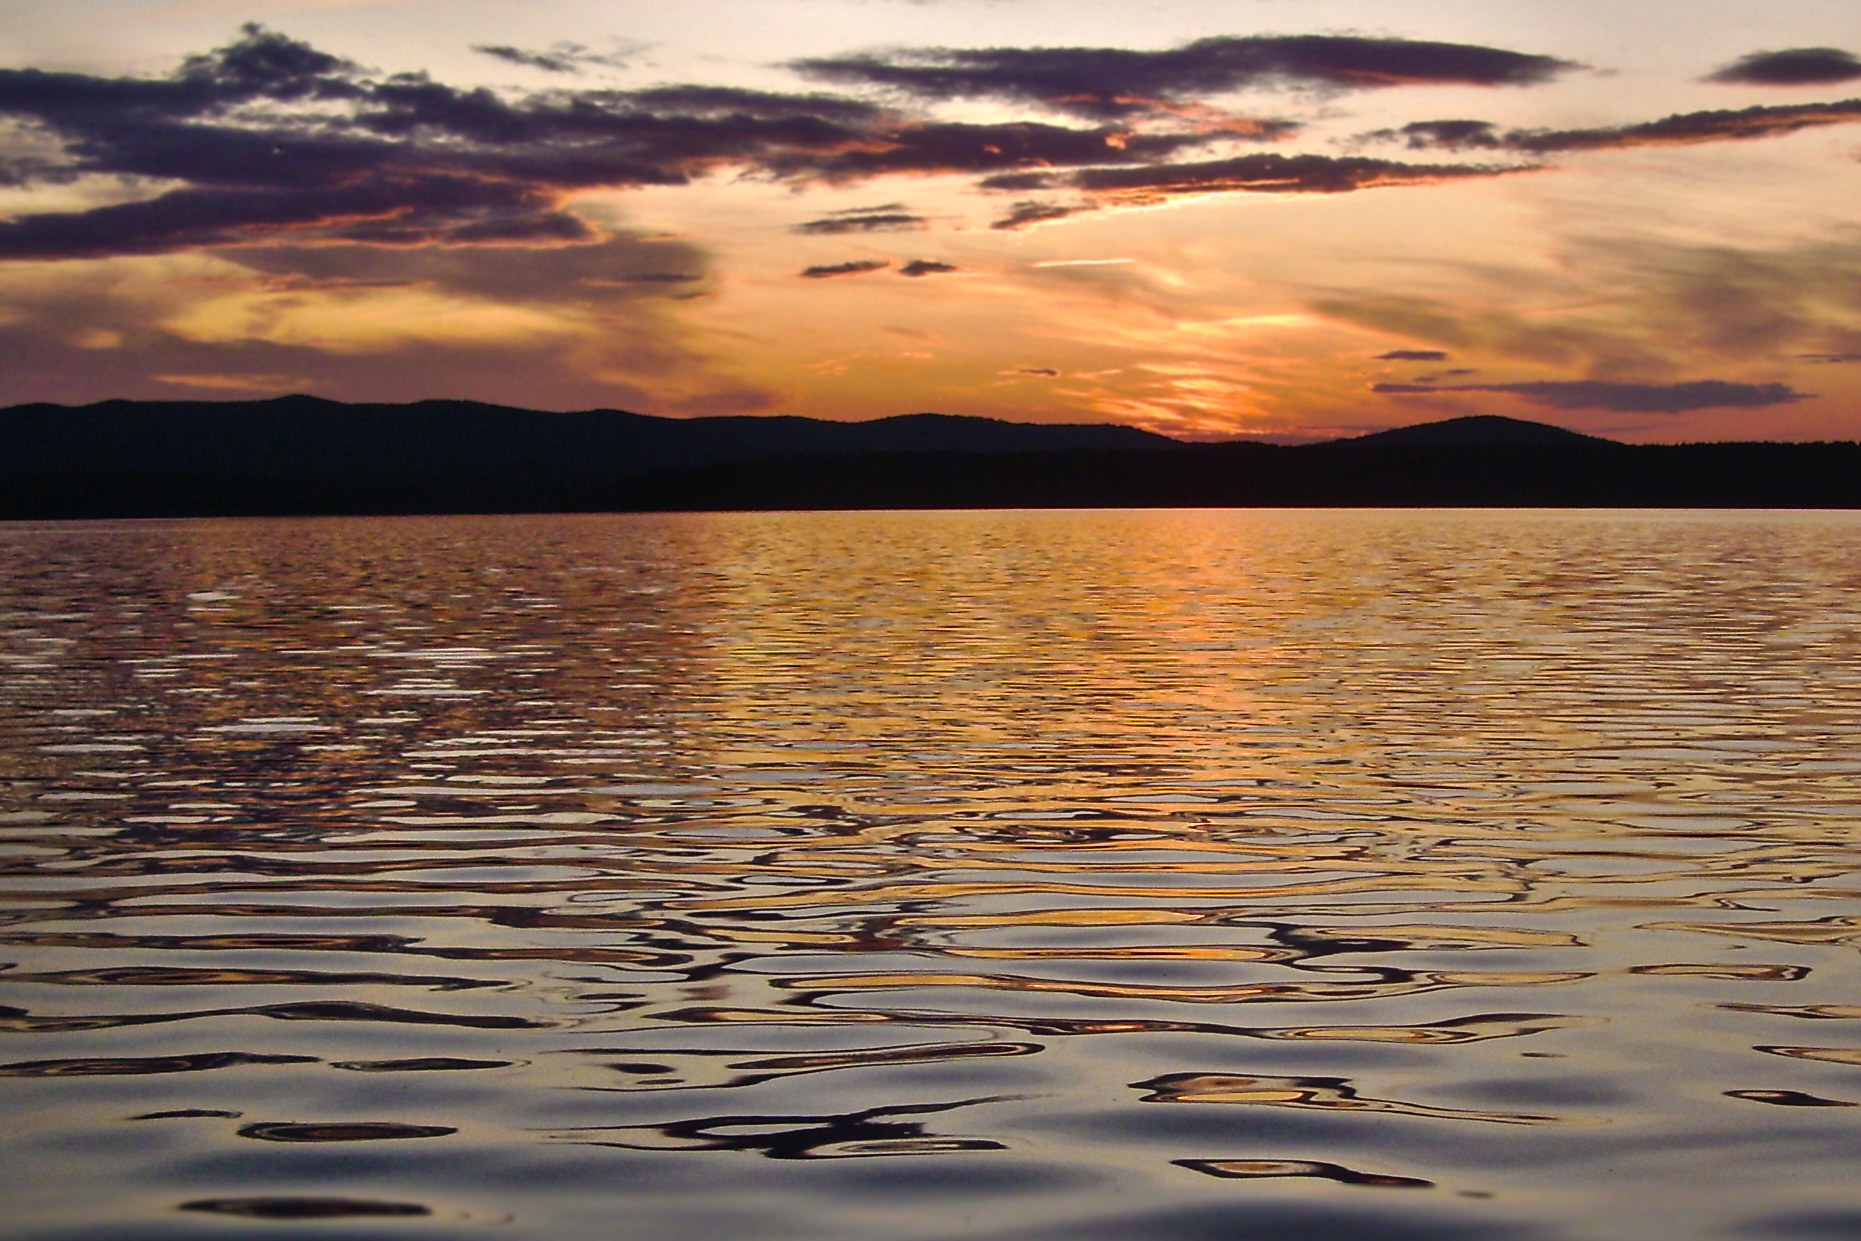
(1259, 217)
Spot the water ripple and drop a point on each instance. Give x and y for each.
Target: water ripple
(727, 875)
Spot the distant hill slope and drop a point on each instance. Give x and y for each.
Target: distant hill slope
(311, 439)
(1479, 429)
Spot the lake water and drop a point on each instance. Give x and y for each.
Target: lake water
(1148, 876)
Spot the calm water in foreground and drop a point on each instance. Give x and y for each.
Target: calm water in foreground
(1137, 876)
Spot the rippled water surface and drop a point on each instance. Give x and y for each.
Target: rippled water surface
(1014, 875)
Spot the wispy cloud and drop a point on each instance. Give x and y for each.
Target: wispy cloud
(1675, 398)
(1636, 308)
(270, 138)
(1797, 66)
(1413, 355)
(1681, 129)
(1030, 213)
(579, 327)
(1269, 173)
(889, 218)
(568, 58)
(1151, 185)
(716, 102)
(1119, 82)
(857, 267)
(908, 147)
(918, 268)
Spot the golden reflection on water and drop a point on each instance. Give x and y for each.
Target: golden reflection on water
(856, 875)
(1315, 1092)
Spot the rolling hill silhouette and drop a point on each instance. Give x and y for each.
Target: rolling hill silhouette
(305, 455)
(307, 437)
(1476, 429)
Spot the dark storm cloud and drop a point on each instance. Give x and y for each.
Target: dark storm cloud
(1797, 66)
(1682, 129)
(1635, 398)
(926, 267)
(1266, 174)
(1116, 82)
(1028, 214)
(1412, 355)
(858, 267)
(890, 218)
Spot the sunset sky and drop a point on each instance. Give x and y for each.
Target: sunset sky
(1209, 218)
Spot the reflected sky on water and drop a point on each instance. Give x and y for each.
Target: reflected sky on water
(931, 875)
